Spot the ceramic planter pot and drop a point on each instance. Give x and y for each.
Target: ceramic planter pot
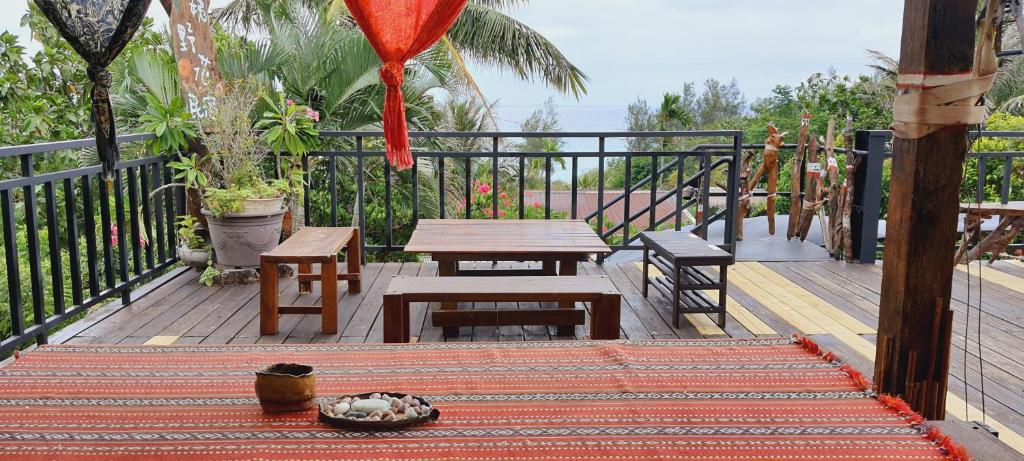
(239, 239)
(286, 387)
(197, 259)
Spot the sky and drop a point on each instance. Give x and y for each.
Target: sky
(643, 48)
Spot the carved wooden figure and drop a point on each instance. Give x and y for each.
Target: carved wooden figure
(770, 166)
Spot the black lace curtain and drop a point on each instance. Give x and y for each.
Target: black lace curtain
(98, 30)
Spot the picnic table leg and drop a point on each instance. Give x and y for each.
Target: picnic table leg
(448, 268)
(305, 286)
(268, 298)
(354, 263)
(329, 296)
(396, 319)
(604, 318)
(567, 268)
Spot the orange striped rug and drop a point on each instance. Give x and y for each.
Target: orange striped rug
(734, 399)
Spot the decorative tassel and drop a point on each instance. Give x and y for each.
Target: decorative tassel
(952, 450)
(396, 132)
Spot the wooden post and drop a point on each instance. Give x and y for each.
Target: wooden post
(914, 328)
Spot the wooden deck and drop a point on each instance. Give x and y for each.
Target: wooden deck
(833, 302)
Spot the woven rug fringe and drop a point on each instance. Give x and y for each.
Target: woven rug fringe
(954, 451)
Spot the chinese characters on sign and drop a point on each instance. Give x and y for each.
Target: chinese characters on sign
(195, 53)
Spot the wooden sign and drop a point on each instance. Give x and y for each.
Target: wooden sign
(195, 53)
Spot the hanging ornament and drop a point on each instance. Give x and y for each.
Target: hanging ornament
(399, 30)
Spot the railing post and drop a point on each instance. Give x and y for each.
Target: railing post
(732, 194)
(867, 200)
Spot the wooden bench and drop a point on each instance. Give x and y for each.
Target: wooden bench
(308, 246)
(599, 291)
(679, 256)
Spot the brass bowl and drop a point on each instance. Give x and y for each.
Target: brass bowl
(286, 387)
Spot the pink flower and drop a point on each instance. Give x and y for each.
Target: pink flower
(506, 203)
(504, 195)
(537, 204)
(290, 102)
(484, 188)
(501, 213)
(313, 115)
(143, 242)
(113, 234)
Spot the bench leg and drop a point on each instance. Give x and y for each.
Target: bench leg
(722, 274)
(268, 298)
(604, 317)
(329, 296)
(396, 319)
(567, 268)
(307, 286)
(647, 271)
(677, 310)
(354, 260)
(448, 268)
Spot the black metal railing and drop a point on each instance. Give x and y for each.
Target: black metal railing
(875, 149)
(71, 242)
(713, 157)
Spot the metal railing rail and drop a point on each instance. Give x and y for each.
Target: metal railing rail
(133, 240)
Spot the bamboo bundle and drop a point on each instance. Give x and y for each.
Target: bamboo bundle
(744, 205)
(798, 160)
(810, 202)
(770, 165)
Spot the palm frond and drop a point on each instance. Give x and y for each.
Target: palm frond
(489, 37)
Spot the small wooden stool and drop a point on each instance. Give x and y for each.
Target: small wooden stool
(308, 246)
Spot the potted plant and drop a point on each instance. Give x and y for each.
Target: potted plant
(192, 249)
(243, 208)
(290, 128)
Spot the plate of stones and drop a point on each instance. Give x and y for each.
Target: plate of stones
(377, 411)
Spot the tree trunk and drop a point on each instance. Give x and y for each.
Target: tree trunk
(915, 321)
(794, 190)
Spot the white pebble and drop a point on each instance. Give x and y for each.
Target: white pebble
(341, 408)
(410, 413)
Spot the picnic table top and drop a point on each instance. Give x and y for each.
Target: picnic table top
(311, 244)
(682, 245)
(993, 208)
(488, 236)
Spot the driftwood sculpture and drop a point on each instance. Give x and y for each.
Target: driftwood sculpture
(770, 166)
(744, 204)
(832, 168)
(811, 201)
(794, 191)
(842, 239)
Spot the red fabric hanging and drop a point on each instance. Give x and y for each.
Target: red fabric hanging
(399, 30)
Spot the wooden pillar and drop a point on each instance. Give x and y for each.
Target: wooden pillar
(914, 328)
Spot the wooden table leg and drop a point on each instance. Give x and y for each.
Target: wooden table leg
(604, 318)
(268, 298)
(567, 268)
(354, 263)
(307, 286)
(329, 297)
(396, 319)
(448, 268)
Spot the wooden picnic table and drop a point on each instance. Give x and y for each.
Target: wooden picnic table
(557, 244)
(1011, 223)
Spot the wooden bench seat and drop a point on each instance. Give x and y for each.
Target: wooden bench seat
(679, 257)
(308, 246)
(599, 291)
